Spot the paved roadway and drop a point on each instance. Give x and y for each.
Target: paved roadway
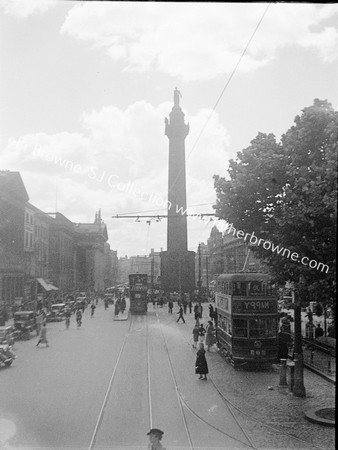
(104, 385)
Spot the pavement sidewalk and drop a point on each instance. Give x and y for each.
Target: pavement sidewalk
(273, 416)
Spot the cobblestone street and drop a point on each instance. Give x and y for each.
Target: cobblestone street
(264, 407)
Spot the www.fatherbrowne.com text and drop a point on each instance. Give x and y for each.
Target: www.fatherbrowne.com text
(267, 245)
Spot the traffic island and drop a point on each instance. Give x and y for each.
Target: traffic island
(322, 416)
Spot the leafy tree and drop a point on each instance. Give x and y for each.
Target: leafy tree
(285, 193)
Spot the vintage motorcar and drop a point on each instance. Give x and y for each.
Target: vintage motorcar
(70, 306)
(109, 298)
(56, 312)
(7, 335)
(24, 324)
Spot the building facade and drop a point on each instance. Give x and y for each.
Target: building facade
(147, 264)
(224, 253)
(13, 198)
(91, 255)
(45, 253)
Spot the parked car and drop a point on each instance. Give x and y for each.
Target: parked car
(7, 335)
(56, 313)
(70, 305)
(109, 298)
(24, 324)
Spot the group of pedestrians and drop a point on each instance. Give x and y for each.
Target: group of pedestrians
(120, 306)
(203, 337)
(201, 334)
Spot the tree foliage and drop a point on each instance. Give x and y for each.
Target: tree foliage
(286, 194)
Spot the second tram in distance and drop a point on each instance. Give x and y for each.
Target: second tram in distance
(138, 289)
(247, 318)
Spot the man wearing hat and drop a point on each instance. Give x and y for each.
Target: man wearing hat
(155, 435)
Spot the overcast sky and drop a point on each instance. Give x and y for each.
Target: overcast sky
(85, 88)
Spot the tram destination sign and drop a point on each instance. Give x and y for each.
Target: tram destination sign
(254, 306)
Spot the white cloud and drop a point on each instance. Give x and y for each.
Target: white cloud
(198, 41)
(326, 41)
(119, 164)
(21, 9)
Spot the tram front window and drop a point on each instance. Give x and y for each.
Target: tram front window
(239, 289)
(240, 328)
(262, 328)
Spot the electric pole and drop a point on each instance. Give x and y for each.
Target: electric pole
(199, 274)
(207, 266)
(152, 277)
(298, 387)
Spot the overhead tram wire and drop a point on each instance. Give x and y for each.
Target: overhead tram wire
(224, 89)
(158, 217)
(154, 210)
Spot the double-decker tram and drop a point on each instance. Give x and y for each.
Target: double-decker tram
(247, 318)
(138, 287)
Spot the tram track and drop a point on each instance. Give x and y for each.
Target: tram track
(194, 413)
(183, 404)
(232, 406)
(108, 390)
(110, 386)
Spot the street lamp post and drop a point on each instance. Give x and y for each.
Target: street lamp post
(199, 274)
(298, 388)
(207, 264)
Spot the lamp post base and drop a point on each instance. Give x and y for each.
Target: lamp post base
(299, 388)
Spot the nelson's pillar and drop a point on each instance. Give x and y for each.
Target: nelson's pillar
(177, 263)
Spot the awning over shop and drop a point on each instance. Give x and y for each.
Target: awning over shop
(47, 287)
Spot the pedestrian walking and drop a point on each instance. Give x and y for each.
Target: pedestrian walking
(319, 332)
(309, 315)
(123, 305)
(201, 333)
(155, 436)
(195, 335)
(180, 312)
(201, 365)
(67, 318)
(210, 338)
(170, 307)
(185, 304)
(190, 306)
(43, 336)
(196, 311)
(283, 348)
(92, 307)
(211, 311)
(79, 317)
(117, 308)
(200, 311)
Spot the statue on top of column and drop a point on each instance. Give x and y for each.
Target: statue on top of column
(177, 96)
